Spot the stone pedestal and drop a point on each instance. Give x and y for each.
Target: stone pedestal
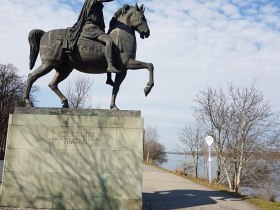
(73, 159)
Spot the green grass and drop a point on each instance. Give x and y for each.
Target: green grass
(258, 202)
(263, 204)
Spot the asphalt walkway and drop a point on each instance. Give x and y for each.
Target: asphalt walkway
(166, 191)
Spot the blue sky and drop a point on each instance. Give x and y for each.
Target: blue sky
(194, 44)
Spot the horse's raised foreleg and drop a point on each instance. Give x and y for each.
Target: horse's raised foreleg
(39, 72)
(118, 80)
(134, 65)
(62, 73)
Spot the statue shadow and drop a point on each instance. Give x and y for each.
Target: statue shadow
(178, 199)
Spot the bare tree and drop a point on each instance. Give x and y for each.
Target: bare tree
(241, 123)
(11, 92)
(191, 138)
(78, 92)
(153, 150)
(250, 128)
(212, 112)
(262, 175)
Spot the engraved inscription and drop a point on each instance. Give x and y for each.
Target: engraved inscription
(86, 46)
(76, 137)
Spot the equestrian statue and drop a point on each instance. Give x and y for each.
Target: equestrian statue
(87, 48)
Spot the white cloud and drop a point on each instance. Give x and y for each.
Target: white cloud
(231, 11)
(17, 18)
(193, 44)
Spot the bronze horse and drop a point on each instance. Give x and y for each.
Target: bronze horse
(88, 55)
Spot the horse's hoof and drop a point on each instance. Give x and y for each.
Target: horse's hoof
(65, 104)
(147, 90)
(110, 82)
(28, 103)
(114, 107)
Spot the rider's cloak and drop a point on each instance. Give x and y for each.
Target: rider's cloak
(91, 11)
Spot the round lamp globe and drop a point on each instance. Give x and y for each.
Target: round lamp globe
(209, 140)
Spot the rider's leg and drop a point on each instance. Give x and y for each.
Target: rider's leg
(108, 52)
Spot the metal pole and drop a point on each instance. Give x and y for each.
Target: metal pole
(209, 141)
(209, 164)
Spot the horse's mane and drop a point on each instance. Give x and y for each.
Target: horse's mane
(118, 13)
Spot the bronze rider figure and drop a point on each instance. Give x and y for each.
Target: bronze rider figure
(91, 25)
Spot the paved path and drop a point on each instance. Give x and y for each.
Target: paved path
(166, 191)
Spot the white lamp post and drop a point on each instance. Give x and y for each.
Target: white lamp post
(209, 141)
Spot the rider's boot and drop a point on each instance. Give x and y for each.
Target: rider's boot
(109, 58)
(112, 69)
(108, 53)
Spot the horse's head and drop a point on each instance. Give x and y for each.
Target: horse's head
(139, 22)
(134, 17)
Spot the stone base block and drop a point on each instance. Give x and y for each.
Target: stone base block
(73, 159)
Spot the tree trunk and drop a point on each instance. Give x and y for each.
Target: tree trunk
(219, 157)
(228, 176)
(218, 170)
(196, 167)
(148, 154)
(240, 167)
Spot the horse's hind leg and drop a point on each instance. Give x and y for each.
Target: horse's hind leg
(62, 72)
(39, 72)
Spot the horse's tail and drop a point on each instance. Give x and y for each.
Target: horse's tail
(34, 38)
